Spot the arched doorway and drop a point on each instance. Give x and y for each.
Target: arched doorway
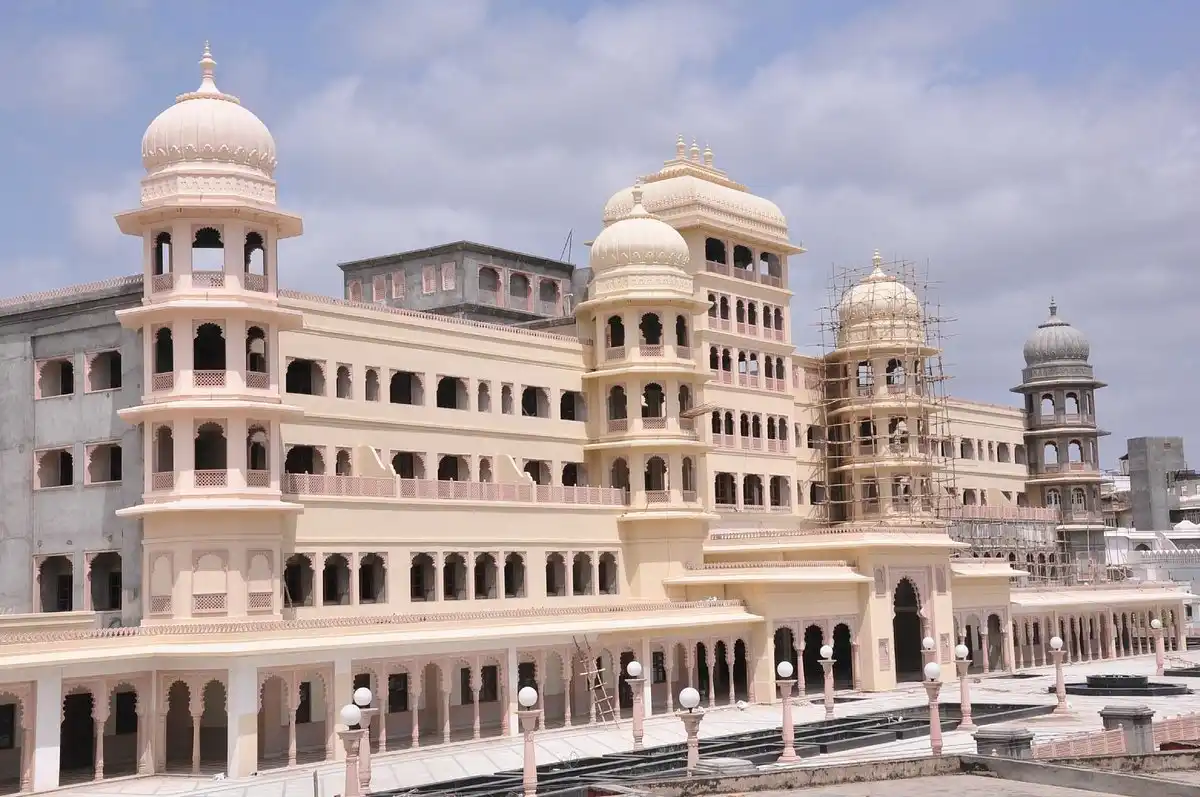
(785, 647)
(78, 737)
(843, 657)
(741, 684)
(814, 675)
(906, 632)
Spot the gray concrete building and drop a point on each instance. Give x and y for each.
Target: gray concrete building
(67, 461)
(1155, 465)
(469, 280)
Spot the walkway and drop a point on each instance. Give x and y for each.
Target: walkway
(445, 762)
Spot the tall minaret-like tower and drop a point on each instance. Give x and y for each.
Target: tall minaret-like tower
(641, 311)
(1061, 436)
(213, 516)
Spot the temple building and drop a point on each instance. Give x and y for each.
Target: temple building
(228, 504)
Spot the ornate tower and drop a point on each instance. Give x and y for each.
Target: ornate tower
(1061, 436)
(213, 516)
(881, 406)
(641, 311)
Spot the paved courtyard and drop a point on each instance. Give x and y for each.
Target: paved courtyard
(943, 786)
(446, 762)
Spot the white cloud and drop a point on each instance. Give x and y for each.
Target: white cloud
(73, 73)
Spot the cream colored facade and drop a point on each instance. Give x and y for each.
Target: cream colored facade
(338, 493)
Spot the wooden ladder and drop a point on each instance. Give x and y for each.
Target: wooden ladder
(606, 711)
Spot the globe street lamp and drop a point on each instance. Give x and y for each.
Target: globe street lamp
(527, 698)
(1060, 688)
(827, 666)
(962, 663)
(927, 653)
(785, 682)
(351, 715)
(933, 685)
(689, 698)
(633, 673)
(1160, 648)
(362, 699)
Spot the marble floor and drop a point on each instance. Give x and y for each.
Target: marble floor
(406, 769)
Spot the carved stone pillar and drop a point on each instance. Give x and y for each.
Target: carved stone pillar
(100, 709)
(444, 685)
(416, 687)
(710, 660)
(145, 748)
(197, 714)
(87, 580)
(983, 649)
(568, 660)
(475, 681)
(27, 744)
(731, 658)
(383, 695)
(291, 704)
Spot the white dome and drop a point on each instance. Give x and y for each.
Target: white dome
(1055, 340)
(879, 297)
(638, 239)
(666, 194)
(209, 127)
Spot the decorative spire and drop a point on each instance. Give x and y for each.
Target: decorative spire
(877, 259)
(708, 156)
(1053, 307)
(695, 151)
(877, 273)
(637, 193)
(207, 66)
(680, 147)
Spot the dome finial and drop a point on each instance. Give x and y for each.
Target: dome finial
(637, 194)
(708, 155)
(695, 151)
(1053, 307)
(207, 67)
(680, 147)
(876, 259)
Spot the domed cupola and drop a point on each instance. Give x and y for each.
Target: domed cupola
(208, 144)
(880, 308)
(640, 254)
(1056, 341)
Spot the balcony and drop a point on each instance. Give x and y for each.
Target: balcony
(1082, 516)
(165, 381)
(747, 274)
(323, 485)
(617, 354)
(1064, 468)
(207, 280)
(208, 379)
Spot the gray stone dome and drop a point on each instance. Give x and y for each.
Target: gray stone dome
(1055, 341)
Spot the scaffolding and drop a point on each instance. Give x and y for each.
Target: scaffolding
(878, 467)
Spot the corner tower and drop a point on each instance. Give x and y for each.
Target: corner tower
(641, 312)
(1061, 435)
(213, 515)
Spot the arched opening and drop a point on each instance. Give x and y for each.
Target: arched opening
(651, 329)
(615, 332)
(619, 476)
(538, 470)
(906, 631)
(685, 401)
(618, 407)
(452, 468)
(682, 340)
(56, 577)
(452, 394)
(258, 465)
(305, 377)
(55, 469)
(485, 470)
(785, 648)
(208, 256)
(208, 352)
(422, 578)
(519, 291)
(297, 581)
(104, 371)
(506, 399)
(335, 581)
(752, 490)
(163, 261)
(304, 459)
(164, 354)
(371, 388)
(688, 477)
(556, 575)
(489, 284)
(1050, 454)
(454, 577)
(725, 489)
(77, 731)
(484, 576)
(405, 388)
(344, 387)
(1047, 405)
(581, 575)
(814, 675)
(256, 359)
(514, 576)
(743, 259)
(607, 567)
(408, 465)
(653, 402)
(255, 258)
(548, 297)
(1074, 452)
(483, 401)
(655, 476)
(714, 251)
(211, 455)
(535, 403)
(372, 579)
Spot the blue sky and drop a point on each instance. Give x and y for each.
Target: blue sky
(1019, 149)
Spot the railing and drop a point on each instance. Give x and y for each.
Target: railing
(491, 297)
(1082, 516)
(1065, 467)
(1034, 513)
(741, 328)
(1092, 743)
(255, 282)
(208, 279)
(752, 443)
(204, 479)
(162, 282)
(724, 440)
(690, 497)
(658, 497)
(683, 352)
(721, 324)
(725, 377)
(748, 380)
(614, 353)
(163, 381)
(258, 478)
(767, 279)
(654, 423)
(552, 309)
(257, 380)
(318, 484)
(208, 378)
(744, 274)
(162, 480)
(650, 350)
(777, 446)
(714, 267)
(618, 424)
(1038, 421)
(781, 508)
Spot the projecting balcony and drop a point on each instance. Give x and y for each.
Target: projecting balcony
(622, 355)
(208, 380)
(1064, 468)
(747, 274)
(1081, 517)
(323, 485)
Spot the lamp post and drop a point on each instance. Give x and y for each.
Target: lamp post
(633, 673)
(927, 652)
(527, 698)
(362, 699)
(785, 671)
(351, 715)
(962, 663)
(1160, 648)
(1060, 688)
(933, 686)
(689, 698)
(827, 666)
